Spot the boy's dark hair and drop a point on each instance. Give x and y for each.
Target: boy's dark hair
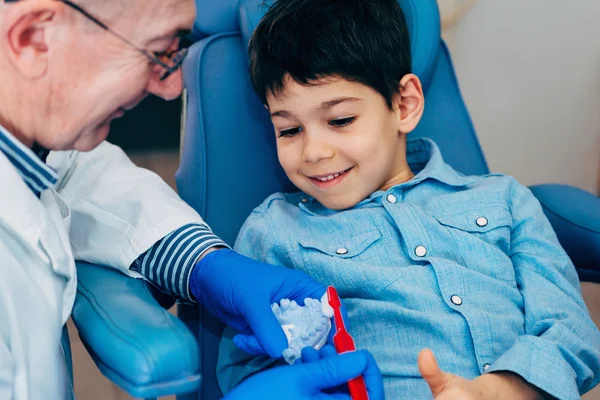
(363, 41)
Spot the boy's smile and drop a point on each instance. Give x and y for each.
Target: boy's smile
(329, 179)
(338, 141)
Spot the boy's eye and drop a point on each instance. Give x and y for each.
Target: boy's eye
(290, 132)
(340, 123)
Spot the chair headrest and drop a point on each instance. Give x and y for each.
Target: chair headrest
(422, 18)
(215, 16)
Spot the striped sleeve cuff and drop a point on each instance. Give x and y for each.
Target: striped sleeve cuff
(169, 263)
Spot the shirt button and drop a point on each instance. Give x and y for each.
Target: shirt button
(486, 367)
(391, 198)
(341, 251)
(304, 200)
(421, 251)
(456, 300)
(482, 221)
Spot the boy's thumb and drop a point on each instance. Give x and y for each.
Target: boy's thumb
(431, 372)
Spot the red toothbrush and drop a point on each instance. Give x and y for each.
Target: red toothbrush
(343, 343)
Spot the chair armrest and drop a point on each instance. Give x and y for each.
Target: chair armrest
(135, 342)
(575, 217)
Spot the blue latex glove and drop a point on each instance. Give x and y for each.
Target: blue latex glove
(314, 378)
(239, 291)
(254, 348)
(251, 346)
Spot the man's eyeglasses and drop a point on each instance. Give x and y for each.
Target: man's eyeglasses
(170, 61)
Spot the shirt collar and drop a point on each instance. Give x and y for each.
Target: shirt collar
(424, 159)
(35, 173)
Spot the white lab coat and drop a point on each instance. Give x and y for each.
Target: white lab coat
(104, 210)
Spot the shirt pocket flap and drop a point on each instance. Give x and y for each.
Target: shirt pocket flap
(343, 246)
(481, 220)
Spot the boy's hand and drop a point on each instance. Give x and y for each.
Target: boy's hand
(494, 386)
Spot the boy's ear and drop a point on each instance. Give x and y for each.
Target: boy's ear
(25, 37)
(409, 103)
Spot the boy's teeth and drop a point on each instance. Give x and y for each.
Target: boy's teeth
(330, 177)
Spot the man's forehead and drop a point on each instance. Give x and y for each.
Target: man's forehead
(160, 17)
(178, 15)
(182, 12)
(185, 9)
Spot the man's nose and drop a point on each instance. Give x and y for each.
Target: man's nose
(315, 148)
(169, 89)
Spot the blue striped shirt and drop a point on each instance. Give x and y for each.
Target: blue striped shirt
(167, 265)
(34, 172)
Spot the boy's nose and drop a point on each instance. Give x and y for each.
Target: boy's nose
(315, 149)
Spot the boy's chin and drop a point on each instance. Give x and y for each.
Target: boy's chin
(337, 204)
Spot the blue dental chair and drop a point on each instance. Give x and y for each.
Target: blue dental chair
(134, 341)
(229, 162)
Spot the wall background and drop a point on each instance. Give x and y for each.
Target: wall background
(530, 75)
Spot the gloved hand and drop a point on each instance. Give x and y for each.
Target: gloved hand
(249, 344)
(313, 378)
(239, 291)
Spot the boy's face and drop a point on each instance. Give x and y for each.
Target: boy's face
(338, 141)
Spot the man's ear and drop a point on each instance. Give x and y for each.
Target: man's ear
(409, 103)
(24, 32)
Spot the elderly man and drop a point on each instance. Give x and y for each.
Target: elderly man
(67, 70)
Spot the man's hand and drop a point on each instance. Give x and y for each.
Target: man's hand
(239, 291)
(320, 376)
(494, 386)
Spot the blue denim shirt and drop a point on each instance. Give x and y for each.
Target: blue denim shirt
(467, 266)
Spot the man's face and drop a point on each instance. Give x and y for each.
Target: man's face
(337, 140)
(94, 78)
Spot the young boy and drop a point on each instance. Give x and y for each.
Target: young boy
(423, 256)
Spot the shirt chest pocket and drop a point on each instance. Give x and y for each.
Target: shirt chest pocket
(482, 238)
(351, 263)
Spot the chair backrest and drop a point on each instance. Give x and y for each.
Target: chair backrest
(229, 162)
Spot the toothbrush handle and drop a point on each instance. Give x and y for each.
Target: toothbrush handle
(358, 388)
(343, 343)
